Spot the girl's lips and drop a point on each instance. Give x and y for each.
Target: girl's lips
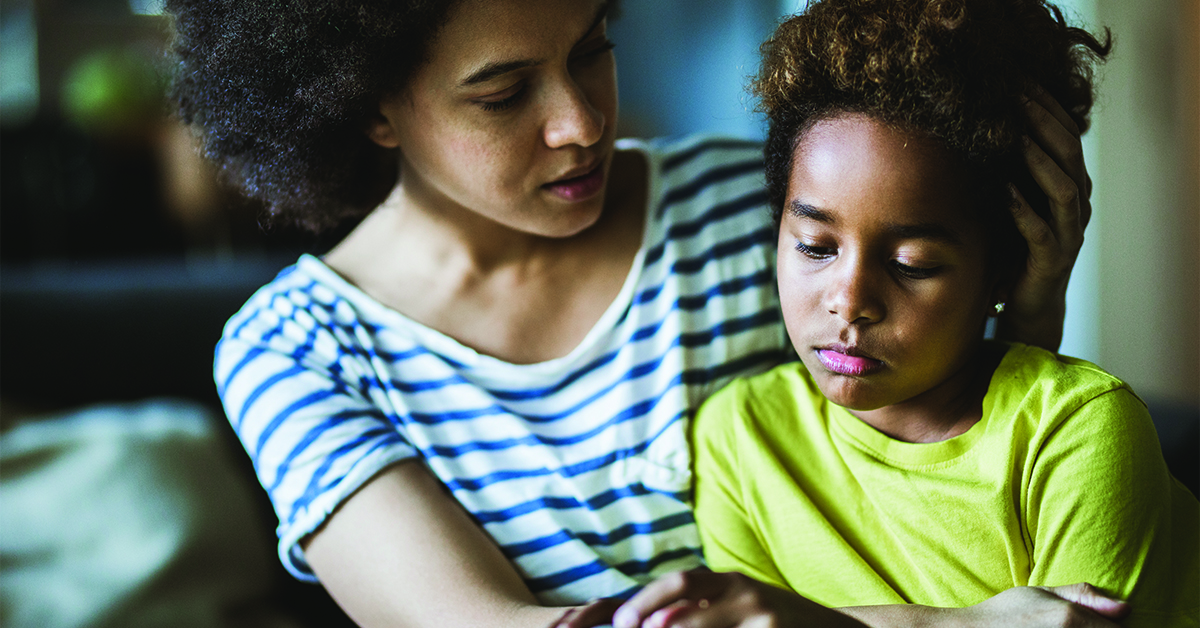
(579, 188)
(843, 364)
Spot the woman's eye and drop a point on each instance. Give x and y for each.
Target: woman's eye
(914, 272)
(604, 47)
(501, 104)
(593, 51)
(815, 252)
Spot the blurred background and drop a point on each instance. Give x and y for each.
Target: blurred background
(121, 256)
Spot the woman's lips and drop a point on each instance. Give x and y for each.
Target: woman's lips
(844, 364)
(579, 188)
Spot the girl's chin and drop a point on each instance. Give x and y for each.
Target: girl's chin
(851, 396)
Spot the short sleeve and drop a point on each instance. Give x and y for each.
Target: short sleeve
(1103, 509)
(729, 538)
(294, 392)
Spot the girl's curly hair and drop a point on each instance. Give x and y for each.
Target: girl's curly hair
(281, 91)
(955, 70)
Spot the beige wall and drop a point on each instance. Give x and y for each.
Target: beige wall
(1146, 164)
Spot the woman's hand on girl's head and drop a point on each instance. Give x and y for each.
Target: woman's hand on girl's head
(1054, 154)
(704, 599)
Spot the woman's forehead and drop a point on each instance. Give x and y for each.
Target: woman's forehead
(482, 34)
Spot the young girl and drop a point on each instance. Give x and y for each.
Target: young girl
(903, 459)
(471, 411)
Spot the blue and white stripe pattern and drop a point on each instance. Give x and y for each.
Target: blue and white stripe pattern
(578, 467)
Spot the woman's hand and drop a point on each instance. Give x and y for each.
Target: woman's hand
(1054, 154)
(704, 599)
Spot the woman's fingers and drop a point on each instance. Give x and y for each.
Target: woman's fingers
(687, 586)
(1051, 106)
(703, 599)
(594, 613)
(1053, 131)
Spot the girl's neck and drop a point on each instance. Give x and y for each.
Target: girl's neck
(944, 411)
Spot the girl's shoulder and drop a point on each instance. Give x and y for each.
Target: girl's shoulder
(1033, 372)
(1054, 395)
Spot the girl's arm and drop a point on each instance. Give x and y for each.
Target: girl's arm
(1038, 304)
(701, 599)
(1102, 507)
(402, 552)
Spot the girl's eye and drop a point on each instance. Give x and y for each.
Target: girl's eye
(503, 103)
(814, 252)
(914, 272)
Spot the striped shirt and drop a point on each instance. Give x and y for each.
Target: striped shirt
(578, 467)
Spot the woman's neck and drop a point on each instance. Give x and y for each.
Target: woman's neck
(515, 296)
(944, 411)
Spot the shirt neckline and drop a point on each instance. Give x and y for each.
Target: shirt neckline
(906, 455)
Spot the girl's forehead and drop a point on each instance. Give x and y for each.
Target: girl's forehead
(856, 165)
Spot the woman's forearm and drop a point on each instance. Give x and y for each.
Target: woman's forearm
(401, 552)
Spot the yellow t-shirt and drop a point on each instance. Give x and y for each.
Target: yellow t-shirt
(1061, 481)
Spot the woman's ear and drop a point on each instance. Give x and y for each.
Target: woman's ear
(381, 131)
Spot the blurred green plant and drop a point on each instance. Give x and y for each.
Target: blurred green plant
(113, 90)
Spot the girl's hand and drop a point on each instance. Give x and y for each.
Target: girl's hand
(1054, 154)
(1079, 605)
(1071, 606)
(703, 599)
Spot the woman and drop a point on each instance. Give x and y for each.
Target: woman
(474, 404)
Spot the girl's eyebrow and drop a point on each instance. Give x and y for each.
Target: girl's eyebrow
(926, 231)
(919, 231)
(500, 68)
(804, 210)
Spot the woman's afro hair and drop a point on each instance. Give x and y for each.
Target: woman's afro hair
(955, 70)
(281, 91)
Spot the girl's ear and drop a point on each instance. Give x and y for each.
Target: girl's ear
(381, 131)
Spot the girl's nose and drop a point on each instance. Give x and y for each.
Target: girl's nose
(573, 119)
(854, 294)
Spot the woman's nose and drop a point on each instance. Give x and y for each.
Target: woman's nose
(854, 295)
(573, 119)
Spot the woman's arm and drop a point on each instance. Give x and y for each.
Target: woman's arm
(1038, 304)
(402, 552)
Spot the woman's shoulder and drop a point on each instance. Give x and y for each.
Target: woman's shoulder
(696, 152)
(706, 199)
(695, 172)
(305, 295)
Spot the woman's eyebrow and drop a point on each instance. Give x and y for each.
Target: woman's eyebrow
(500, 68)
(492, 70)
